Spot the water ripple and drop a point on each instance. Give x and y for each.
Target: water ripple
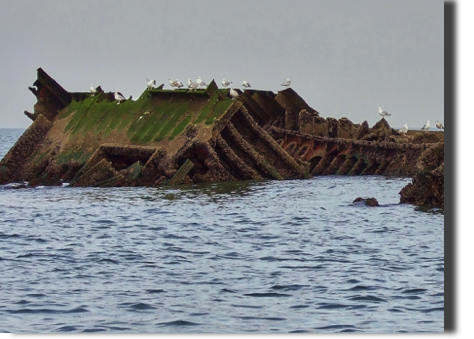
(243, 257)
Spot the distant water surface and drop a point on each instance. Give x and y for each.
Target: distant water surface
(241, 257)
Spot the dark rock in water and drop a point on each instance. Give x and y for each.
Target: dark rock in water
(368, 201)
(427, 187)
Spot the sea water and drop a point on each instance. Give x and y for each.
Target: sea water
(241, 257)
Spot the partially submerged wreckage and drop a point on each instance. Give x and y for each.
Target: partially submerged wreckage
(169, 137)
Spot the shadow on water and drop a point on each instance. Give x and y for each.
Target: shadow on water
(213, 190)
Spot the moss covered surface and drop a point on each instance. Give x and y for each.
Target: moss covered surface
(157, 115)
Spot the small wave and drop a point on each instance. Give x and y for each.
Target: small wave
(94, 330)
(67, 329)
(9, 236)
(14, 185)
(335, 327)
(178, 323)
(106, 222)
(368, 298)
(319, 267)
(152, 291)
(435, 309)
(289, 287)
(36, 295)
(260, 318)
(78, 310)
(353, 281)
(107, 261)
(46, 311)
(407, 297)
(299, 306)
(269, 294)
(332, 306)
(247, 306)
(362, 288)
(415, 291)
(141, 307)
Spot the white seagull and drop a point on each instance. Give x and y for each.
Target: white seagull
(93, 90)
(286, 83)
(383, 113)
(226, 83)
(119, 97)
(439, 125)
(233, 93)
(150, 83)
(200, 82)
(404, 130)
(179, 84)
(246, 84)
(173, 83)
(192, 85)
(426, 126)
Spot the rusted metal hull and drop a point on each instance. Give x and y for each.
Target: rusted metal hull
(174, 137)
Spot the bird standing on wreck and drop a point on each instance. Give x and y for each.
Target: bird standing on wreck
(226, 83)
(439, 125)
(200, 82)
(179, 84)
(383, 113)
(119, 97)
(93, 90)
(233, 93)
(173, 83)
(150, 84)
(426, 126)
(404, 130)
(192, 85)
(246, 84)
(286, 83)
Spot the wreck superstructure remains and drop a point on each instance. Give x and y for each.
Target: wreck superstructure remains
(190, 136)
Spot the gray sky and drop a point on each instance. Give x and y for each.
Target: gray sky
(344, 57)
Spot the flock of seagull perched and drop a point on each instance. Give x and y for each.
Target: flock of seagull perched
(404, 129)
(191, 85)
(200, 84)
(234, 94)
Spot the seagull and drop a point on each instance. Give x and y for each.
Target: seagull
(93, 90)
(404, 130)
(246, 84)
(286, 83)
(200, 82)
(426, 126)
(173, 83)
(150, 83)
(226, 83)
(179, 84)
(192, 85)
(119, 97)
(439, 125)
(383, 113)
(233, 93)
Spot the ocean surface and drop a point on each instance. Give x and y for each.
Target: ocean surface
(290, 256)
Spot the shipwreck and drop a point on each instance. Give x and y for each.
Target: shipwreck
(171, 137)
